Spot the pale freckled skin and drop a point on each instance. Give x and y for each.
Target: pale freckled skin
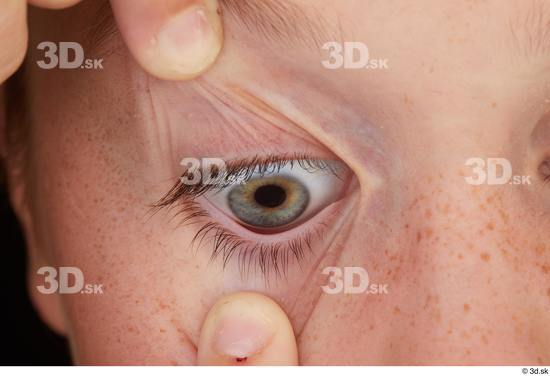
(466, 266)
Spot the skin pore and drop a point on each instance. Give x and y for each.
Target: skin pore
(467, 267)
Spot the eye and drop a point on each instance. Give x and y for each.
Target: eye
(279, 199)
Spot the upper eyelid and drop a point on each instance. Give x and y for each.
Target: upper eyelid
(242, 168)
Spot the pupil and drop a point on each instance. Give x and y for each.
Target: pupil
(270, 195)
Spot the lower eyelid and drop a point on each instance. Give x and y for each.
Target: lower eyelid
(274, 252)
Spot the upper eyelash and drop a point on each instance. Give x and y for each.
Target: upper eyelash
(243, 170)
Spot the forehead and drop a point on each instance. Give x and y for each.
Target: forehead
(311, 22)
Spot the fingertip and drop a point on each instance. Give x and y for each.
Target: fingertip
(13, 36)
(187, 44)
(173, 41)
(247, 328)
(54, 4)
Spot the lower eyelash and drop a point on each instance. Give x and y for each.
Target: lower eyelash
(267, 257)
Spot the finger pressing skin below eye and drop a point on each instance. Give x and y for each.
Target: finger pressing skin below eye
(171, 39)
(247, 328)
(54, 4)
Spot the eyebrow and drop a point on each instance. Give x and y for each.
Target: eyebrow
(282, 21)
(103, 30)
(278, 21)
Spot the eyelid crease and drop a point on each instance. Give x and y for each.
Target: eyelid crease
(242, 101)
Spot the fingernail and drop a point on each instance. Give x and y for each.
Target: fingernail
(241, 336)
(188, 41)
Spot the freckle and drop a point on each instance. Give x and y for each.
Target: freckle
(494, 105)
(396, 310)
(489, 199)
(503, 215)
(428, 213)
(484, 339)
(540, 249)
(429, 233)
(548, 292)
(460, 256)
(418, 237)
(371, 327)
(490, 226)
(485, 257)
(466, 307)
(545, 269)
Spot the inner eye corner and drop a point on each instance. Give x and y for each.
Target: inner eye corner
(543, 168)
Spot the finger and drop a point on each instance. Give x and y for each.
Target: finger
(247, 328)
(54, 4)
(171, 39)
(13, 36)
